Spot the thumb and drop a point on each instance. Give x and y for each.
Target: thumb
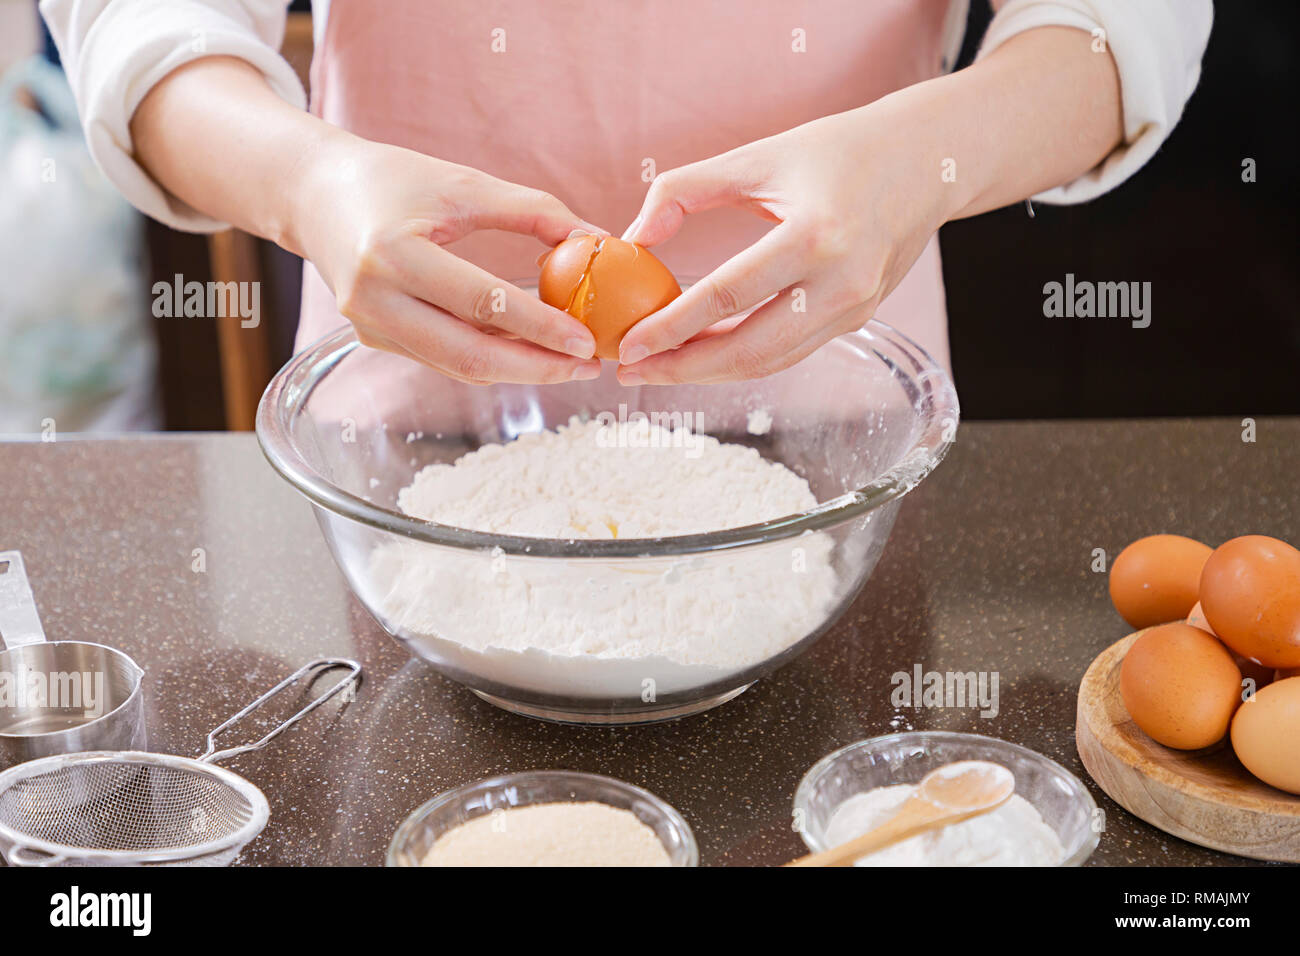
(677, 193)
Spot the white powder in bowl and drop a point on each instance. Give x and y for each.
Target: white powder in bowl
(632, 479)
(606, 628)
(550, 834)
(1014, 834)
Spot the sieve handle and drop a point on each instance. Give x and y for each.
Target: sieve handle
(19, 622)
(212, 755)
(22, 855)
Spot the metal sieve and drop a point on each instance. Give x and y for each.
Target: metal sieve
(130, 808)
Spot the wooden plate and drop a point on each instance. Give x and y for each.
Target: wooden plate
(1204, 796)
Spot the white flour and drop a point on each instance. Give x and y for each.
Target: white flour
(1012, 835)
(605, 628)
(620, 480)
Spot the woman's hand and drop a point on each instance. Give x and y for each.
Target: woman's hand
(854, 206)
(373, 218)
(857, 195)
(370, 217)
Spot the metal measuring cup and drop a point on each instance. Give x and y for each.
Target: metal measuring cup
(59, 697)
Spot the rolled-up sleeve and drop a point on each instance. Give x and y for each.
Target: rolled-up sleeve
(1157, 46)
(115, 51)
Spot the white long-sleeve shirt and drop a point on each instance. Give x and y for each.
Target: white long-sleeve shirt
(1157, 46)
(114, 51)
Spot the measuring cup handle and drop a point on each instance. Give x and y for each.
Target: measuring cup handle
(212, 755)
(19, 622)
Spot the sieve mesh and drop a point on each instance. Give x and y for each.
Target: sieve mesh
(122, 808)
(126, 804)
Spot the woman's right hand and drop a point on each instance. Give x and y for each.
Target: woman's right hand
(372, 219)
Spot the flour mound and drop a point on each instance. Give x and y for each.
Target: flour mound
(605, 628)
(632, 479)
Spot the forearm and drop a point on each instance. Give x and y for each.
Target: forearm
(215, 135)
(1041, 110)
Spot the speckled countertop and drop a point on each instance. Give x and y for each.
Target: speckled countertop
(988, 568)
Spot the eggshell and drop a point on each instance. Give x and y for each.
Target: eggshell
(1154, 580)
(1256, 671)
(1250, 591)
(1180, 686)
(1266, 735)
(607, 284)
(563, 270)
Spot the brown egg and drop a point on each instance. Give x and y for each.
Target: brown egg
(1256, 671)
(1180, 686)
(1154, 579)
(606, 284)
(1196, 618)
(1250, 590)
(1266, 735)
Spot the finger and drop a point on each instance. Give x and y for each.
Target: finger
(725, 180)
(429, 272)
(771, 339)
(377, 340)
(515, 208)
(451, 346)
(771, 264)
(718, 328)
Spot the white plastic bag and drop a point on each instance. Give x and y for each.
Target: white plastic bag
(76, 348)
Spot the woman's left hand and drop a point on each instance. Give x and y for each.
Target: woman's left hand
(856, 197)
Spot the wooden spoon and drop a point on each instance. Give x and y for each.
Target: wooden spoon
(946, 795)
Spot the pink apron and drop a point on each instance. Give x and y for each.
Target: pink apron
(580, 97)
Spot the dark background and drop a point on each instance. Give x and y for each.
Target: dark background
(1220, 255)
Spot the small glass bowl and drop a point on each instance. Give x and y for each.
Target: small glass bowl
(448, 810)
(1058, 795)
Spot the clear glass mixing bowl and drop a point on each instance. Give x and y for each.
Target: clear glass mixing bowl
(864, 420)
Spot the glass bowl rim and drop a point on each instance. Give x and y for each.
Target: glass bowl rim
(295, 381)
(417, 816)
(1075, 857)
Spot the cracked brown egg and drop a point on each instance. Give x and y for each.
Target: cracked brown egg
(607, 284)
